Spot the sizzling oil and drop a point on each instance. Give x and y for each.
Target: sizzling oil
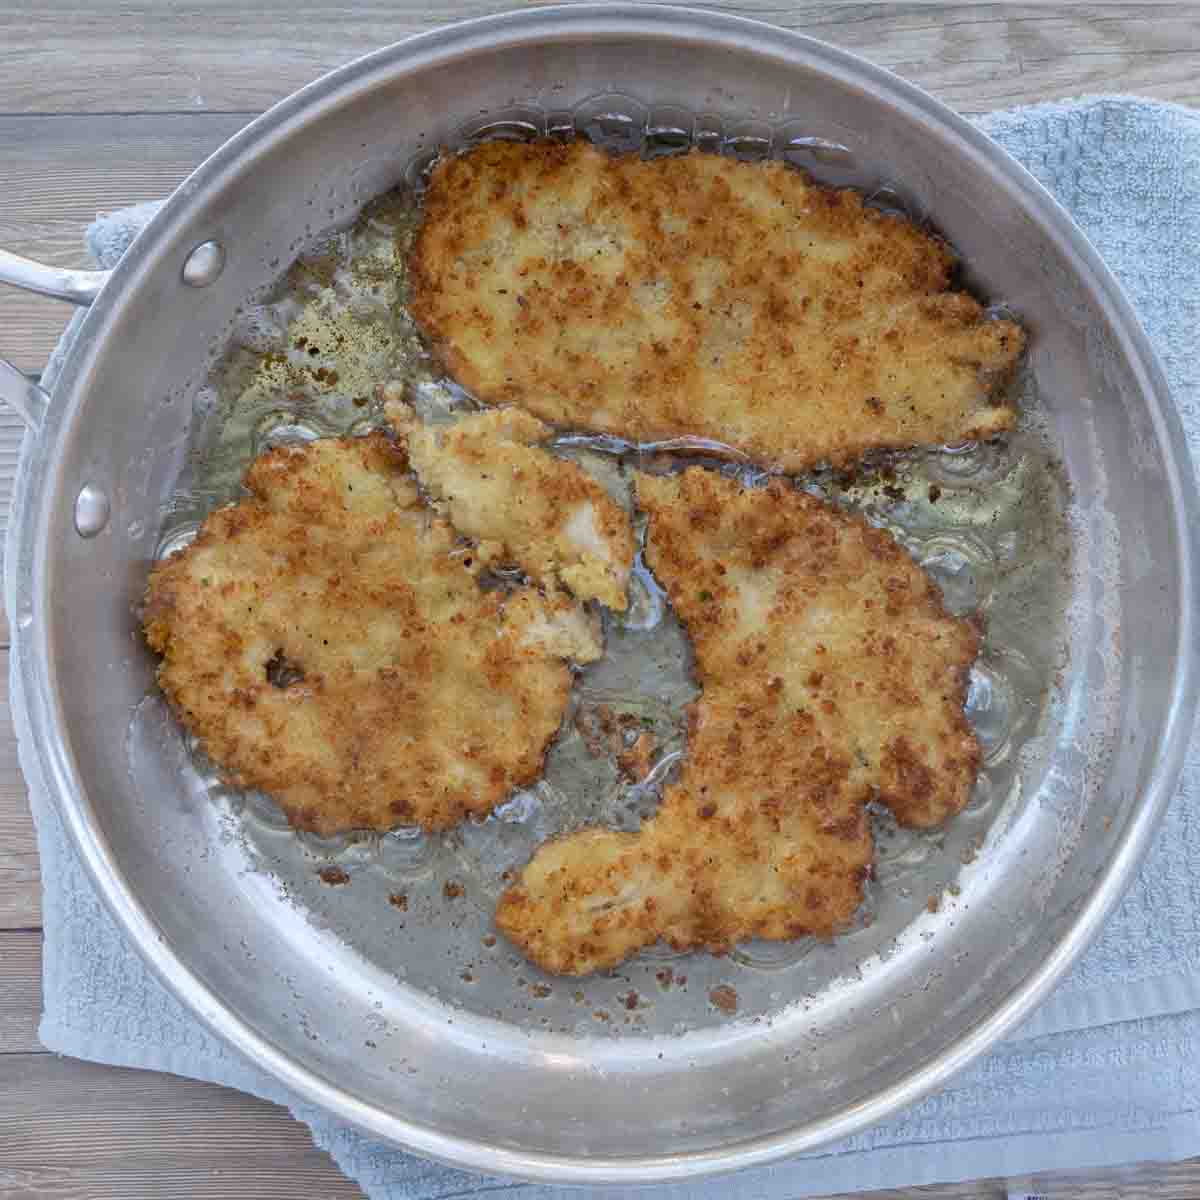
(318, 356)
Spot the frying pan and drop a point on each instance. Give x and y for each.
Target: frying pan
(619, 1079)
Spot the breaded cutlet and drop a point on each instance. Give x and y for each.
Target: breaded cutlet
(490, 475)
(326, 640)
(831, 675)
(698, 295)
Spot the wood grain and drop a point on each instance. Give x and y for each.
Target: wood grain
(74, 1129)
(55, 183)
(113, 101)
(111, 56)
(161, 1102)
(20, 877)
(20, 990)
(77, 1130)
(11, 432)
(172, 69)
(59, 173)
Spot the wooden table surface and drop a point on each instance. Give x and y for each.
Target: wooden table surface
(110, 102)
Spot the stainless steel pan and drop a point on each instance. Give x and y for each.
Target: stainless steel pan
(358, 1011)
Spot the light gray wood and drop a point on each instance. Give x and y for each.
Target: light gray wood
(189, 75)
(11, 432)
(54, 183)
(112, 56)
(1140, 1181)
(58, 173)
(975, 57)
(20, 877)
(74, 1129)
(167, 1115)
(20, 990)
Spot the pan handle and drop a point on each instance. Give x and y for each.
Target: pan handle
(23, 394)
(77, 287)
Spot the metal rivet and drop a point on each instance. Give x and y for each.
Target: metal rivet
(204, 264)
(92, 510)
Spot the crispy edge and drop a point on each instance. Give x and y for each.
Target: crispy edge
(541, 912)
(999, 342)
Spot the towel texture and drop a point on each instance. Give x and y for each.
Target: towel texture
(1107, 1071)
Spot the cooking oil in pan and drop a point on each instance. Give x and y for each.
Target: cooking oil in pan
(317, 357)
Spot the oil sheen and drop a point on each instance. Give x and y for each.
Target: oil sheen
(317, 356)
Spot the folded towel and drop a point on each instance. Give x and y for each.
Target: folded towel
(1107, 1071)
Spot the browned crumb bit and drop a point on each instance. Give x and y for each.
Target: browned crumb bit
(489, 940)
(467, 977)
(933, 904)
(725, 998)
(399, 900)
(620, 736)
(334, 876)
(601, 1015)
(636, 761)
(972, 851)
(452, 890)
(541, 990)
(935, 493)
(596, 726)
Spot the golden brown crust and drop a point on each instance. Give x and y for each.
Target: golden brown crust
(489, 475)
(698, 295)
(326, 640)
(831, 673)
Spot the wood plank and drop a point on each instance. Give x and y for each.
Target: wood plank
(115, 56)
(12, 430)
(20, 990)
(59, 173)
(20, 1010)
(55, 184)
(1139, 1181)
(90, 1131)
(75, 1129)
(20, 876)
(974, 57)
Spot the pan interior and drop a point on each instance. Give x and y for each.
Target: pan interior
(414, 1024)
(315, 356)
